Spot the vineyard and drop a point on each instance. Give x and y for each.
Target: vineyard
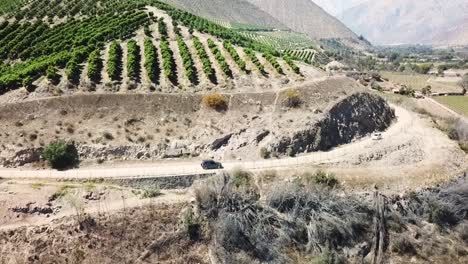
(77, 40)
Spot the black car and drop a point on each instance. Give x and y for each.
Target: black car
(211, 165)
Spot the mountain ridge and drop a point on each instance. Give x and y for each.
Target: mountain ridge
(410, 22)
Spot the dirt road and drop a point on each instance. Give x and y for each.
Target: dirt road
(410, 140)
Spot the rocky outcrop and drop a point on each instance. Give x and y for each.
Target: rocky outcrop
(353, 117)
(22, 157)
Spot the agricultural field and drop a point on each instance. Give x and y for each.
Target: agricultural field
(115, 46)
(456, 103)
(419, 81)
(281, 40)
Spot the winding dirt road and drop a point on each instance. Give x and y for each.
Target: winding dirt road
(408, 134)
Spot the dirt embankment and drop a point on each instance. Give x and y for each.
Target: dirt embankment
(356, 116)
(150, 127)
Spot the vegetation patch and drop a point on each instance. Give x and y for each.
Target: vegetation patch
(292, 98)
(215, 101)
(60, 155)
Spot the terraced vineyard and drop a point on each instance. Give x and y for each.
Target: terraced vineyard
(63, 43)
(281, 40)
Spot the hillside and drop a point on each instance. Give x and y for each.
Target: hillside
(306, 17)
(410, 22)
(232, 11)
(145, 49)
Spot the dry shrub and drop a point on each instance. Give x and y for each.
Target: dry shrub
(215, 101)
(292, 99)
(403, 246)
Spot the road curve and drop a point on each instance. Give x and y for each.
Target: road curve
(404, 124)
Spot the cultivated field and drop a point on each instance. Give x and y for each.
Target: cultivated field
(419, 81)
(456, 103)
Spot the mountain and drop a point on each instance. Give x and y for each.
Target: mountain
(306, 17)
(233, 11)
(410, 21)
(336, 7)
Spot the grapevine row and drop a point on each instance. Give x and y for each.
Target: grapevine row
(133, 60)
(205, 59)
(235, 56)
(95, 66)
(187, 60)
(151, 60)
(220, 58)
(115, 61)
(168, 61)
(251, 55)
(291, 64)
(274, 62)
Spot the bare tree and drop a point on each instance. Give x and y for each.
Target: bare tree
(464, 83)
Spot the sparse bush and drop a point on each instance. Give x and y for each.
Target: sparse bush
(241, 178)
(60, 155)
(329, 256)
(265, 153)
(402, 245)
(192, 224)
(215, 101)
(151, 192)
(442, 215)
(407, 91)
(426, 90)
(293, 99)
(108, 136)
(325, 179)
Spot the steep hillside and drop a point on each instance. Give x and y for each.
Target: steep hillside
(410, 22)
(233, 11)
(306, 17)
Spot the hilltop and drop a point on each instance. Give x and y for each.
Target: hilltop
(410, 22)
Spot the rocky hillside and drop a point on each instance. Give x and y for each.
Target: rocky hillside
(306, 17)
(410, 22)
(355, 116)
(233, 11)
(159, 126)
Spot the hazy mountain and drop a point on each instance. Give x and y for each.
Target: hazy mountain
(237, 11)
(336, 7)
(410, 21)
(306, 17)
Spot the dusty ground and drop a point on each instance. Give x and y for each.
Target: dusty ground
(38, 202)
(122, 237)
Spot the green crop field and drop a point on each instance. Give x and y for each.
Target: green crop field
(456, 103)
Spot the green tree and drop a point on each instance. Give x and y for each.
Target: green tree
(60, 155)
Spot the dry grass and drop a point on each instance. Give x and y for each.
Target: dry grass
(419, 81)
(215, 101)
(122, 237)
